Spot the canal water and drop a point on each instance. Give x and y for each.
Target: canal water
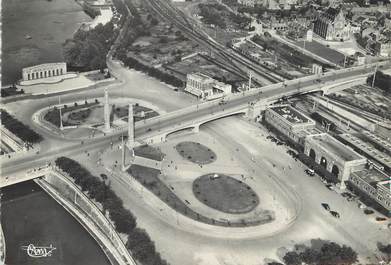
(30, 216)
(33, 32)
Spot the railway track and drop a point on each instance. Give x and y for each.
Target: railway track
(168, 12)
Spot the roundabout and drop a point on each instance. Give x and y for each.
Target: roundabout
(224, 193)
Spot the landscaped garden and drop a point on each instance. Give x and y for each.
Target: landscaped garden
(150, 179)
(225, 193)
(196, 152)
(92, 113)
(150, 152)
(53, 115)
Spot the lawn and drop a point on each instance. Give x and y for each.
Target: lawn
(225, 193)
(196, 152)
(150, 152)
(53, 115)
(323, 51)
(149, 178)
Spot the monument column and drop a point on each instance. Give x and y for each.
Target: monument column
(130, 127)
(106, 110)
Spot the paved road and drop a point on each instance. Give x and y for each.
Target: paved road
(187, 116)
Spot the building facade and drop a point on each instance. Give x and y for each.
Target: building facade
(337, 158)
(44, 71)
(290, 122)
(332, 25)
(205, 87)
(385, 48)
(374, 184)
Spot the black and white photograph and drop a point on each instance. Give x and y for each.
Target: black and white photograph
(195, 132)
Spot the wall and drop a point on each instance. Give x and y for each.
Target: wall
(64, 191)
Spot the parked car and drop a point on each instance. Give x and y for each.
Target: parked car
(329, 186)
(368, 211)
(325, 206)
(291, 153)
(335, 214)
(310, 172)
(362, 206)
(380, 219)
(348, 196)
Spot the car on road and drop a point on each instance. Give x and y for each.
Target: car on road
(380, 219)
(310, 172)
(335, 214)
(325, 206)
(222, 102)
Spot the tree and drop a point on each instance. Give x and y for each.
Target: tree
(292, 258)
(385, 249)
(309, 256)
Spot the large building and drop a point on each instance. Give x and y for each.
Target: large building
(205, 87)
(332, 25)
(290, 122)
(374, 184)
(44, 71)
(369, 149)
(336, 157)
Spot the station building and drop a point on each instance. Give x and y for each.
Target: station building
(375, 185)
(336, 157)
(370, 150)
(290, 122)
(44, 71)
(205, 87)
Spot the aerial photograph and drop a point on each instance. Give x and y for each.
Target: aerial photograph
(195, 132)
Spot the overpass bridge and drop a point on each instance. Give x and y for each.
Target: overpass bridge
(155, 130)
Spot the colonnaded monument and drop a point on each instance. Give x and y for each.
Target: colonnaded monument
(44, 71)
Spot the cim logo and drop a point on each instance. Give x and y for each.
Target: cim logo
(39, 252)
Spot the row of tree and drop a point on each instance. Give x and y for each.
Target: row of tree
(152, 71)
(329, 254)
(25, 133)
(139, 243)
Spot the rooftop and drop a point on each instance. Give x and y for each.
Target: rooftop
(331, 144)
(201, 77)
(291, 114)
(373, 177)
(369, 149)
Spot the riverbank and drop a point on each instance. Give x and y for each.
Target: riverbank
(31, 216)
(2, 246)
(68, 195)
(48, 23)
